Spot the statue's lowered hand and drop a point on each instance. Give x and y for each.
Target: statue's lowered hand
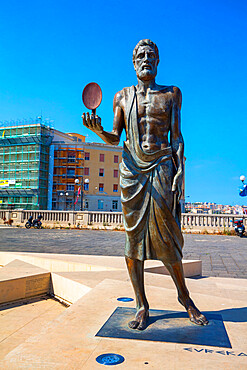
(93, 122)
(177, 184)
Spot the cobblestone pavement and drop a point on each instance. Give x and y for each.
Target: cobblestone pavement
(224, 256)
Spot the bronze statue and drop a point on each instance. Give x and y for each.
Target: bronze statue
(151, 175)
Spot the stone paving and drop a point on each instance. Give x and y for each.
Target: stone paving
(223, 256)
(20, 320)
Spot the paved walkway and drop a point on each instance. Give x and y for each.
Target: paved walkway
(224, 256)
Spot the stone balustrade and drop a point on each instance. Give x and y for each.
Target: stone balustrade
(209, 222)
(189, 221)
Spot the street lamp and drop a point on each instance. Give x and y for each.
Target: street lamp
(242, 178)
(61, 194)
(65, 194)
(77, 181)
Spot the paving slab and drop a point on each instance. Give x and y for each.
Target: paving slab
(70, 341)
(20, 320)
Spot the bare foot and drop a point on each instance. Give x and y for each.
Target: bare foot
(194, 314)
(141, 318)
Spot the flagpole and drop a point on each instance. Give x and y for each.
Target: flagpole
(82, 193)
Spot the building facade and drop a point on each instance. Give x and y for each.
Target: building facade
(85, 175)
(68, 163)
(24, 165)
(101, 177)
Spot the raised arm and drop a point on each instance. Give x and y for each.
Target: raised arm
(177, 142)
(93, 122)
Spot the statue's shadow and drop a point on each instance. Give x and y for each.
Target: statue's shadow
(228, 315)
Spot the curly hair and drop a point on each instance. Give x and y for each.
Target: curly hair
(143, 43)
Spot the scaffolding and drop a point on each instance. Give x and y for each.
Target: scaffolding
(68, 166)
(24, 163)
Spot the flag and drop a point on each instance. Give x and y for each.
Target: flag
(243, 191)
(78, 194)
(3, 134)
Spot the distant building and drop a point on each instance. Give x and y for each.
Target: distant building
(43, 168)
(101, 168)
(24, 165)
(213, 208)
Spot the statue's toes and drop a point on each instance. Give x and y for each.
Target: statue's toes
(199, 320)
(142, 325)
(195, 321)
(203, 320)
(133, 324)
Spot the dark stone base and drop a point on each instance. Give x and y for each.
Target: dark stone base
(167, 326)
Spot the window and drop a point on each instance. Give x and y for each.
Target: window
(115, 173)
(71, 157)
(102, 158)
(70, 187)
(54, 186)
(115, 188)
(86, 171)
(101, 187)
(54, 203)
(101, 172)
(115, 204)
(87, 156)
(100, 204)
(86, 186)
(115, 158)
(70, 172)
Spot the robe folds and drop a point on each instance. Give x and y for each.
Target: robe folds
(151, 218)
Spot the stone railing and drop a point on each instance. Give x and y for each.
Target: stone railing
(107, 218)
(192, 221)
(65, 218)
(189, 221)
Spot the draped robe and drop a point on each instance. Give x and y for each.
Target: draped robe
(151, 217)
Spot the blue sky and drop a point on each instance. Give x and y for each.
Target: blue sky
(50, 50)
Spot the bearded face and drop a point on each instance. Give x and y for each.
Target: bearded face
(146, 63)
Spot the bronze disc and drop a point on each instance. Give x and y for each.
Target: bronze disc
(92, 95)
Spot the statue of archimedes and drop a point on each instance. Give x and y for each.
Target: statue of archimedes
(151, 176)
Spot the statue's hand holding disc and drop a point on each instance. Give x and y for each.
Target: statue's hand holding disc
(93, 122)
(91, 97)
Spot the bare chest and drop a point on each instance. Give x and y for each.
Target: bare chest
(154, 106)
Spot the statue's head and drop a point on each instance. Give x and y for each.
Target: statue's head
(146, 59)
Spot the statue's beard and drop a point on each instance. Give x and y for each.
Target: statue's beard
(147, 74)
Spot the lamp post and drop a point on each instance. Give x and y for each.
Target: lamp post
(61, 193)
(65, 194)
(65, 200)
(77, 181)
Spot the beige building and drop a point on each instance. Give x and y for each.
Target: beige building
(101, 177)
